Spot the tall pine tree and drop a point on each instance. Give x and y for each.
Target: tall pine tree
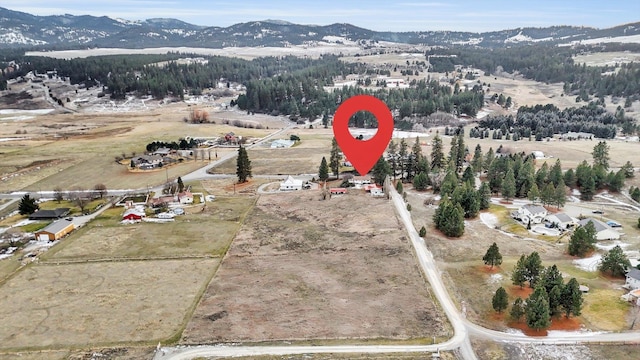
(243, 168)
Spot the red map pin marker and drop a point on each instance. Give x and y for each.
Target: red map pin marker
(363, 154)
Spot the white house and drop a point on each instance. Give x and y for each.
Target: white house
(633, 279)
(603, 232)
(185, 197)
(291, 184)
(377, 192)
(535, 213)
(562, 220)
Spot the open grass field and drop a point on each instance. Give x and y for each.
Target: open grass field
(99, 303)
(80, 150)
(305, 269)
(201, 233)
(303, 158)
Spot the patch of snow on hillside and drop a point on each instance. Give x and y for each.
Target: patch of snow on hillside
(338, 39)
(524, 38)
(635, 39)
(14, 37)
(471, 41)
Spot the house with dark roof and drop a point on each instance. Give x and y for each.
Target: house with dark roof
(561, 220)
(49, 214)
(55, 231)
(633, 279)
(603, 231)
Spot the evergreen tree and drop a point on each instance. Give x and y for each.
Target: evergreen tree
(628, 170)
(571, 299)
(180, 185)
(28, 205)
(334, 159)
(570, 178)
(449, 184)
(468, 199)
(453, 152)
(437, 154)
(541, 175)
(615, 262)
(392, 152)
(551, 277)
(489, 157)
(601, 155)
(534, 193)
(402, 158)
(537, 310)
(555, 174)
(243, 165)
(468, 176)
(525, 179)
(423, 231)
(461, 153)
(500, 300)
(518, 276)
(323, 171)
(420, 181)
(560, 195)
(509, 185)
(449, 218)
(492, 256)
(617, 181)
(548, 194)
(399, 187)
(416, 152)
(555, 299)
(588, 189)
(533, 268)
(517, 309)
(477, 163)
(484, 196)
(582, 240)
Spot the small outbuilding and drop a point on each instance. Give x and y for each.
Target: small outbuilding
(561, 220)
(633, 279)
(338, 191)
(55, 231)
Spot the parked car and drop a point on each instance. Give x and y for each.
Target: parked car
(598, 212)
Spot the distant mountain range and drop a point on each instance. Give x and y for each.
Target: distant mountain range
(18, 29)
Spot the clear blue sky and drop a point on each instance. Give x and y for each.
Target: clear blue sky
(401, 15)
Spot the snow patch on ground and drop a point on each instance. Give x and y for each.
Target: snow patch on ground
(588, 264)
(538, 351)
(495, 278)
(489, 219)
(611, 244)
(18, 111)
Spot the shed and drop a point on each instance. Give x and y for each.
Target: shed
(337, 191)
(562, 220)
(55, 230)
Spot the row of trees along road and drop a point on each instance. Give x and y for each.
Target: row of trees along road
(78, 196)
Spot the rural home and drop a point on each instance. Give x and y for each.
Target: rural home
(337, 191)
(185, 197)
(147, 161)
(377, 192)
(55, 230)
(163, 151)
(633, 279)
(360, 180)
(603, 232)
(49, 214)
(535, 213)
(133, 214)
(538, 154)
(561, 220)
(291, 184)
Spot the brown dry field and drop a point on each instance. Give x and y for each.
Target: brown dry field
(86, 156)
(304, 269)
(303, 158)
(79, 304)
